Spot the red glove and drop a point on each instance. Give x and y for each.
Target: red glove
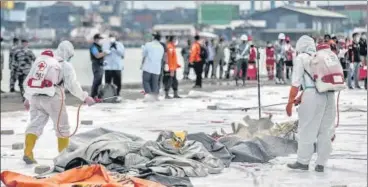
(26, 104)
(98, 100)
(89, 101)
(289, 109)
(293, 93)
(298, 100)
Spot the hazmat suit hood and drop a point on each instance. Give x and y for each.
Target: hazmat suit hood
(305, 44)
(65, 51)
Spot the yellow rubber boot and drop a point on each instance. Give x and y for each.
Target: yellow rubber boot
(30, 143)
(63, 143)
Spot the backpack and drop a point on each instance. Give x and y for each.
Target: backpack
(327, 72)
(106, 91)
(203, 53)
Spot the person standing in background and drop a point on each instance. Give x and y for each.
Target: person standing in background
(363, 53)
(195, 59)
(288, 58)
(210, 58)
(327, 38)
(342, 48)
(113, 63)
(242, 59)
(233, 54)
(153, 52)
(97, 57)
(270, 60)
(13, 75)
(172, 65)
(23, 60)
(280, 58)
(164, 72)
(334, 45)
(354, 61)
(185, 52)
(219, 58)
(1, 61)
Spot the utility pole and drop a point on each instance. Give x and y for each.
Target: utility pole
(258, 84)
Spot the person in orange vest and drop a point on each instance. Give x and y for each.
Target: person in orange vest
(171, 66)
(270, 60)
(197, 61)
(289, 57)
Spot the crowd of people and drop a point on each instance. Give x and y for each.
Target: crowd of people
(212, 58)
(51, 73)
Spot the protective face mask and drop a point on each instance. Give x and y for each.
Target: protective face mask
(364, 36)
(99, 42)
(269, 45)
(112, 39)
(176, 42)
(357, 39)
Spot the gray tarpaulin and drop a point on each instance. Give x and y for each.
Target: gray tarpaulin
(118, 151)
(216, 148)
(258, 150)
(233, 148)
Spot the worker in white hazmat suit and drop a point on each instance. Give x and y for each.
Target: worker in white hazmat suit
(44, 93)
(316, 111)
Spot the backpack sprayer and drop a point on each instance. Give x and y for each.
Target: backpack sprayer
(78, 111)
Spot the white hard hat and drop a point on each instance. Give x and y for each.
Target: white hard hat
(281, 36)
(244, 37)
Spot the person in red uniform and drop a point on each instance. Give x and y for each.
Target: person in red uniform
(270, 60)
(252, 51)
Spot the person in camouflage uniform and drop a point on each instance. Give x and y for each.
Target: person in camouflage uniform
(2, 62)
(13, 76)
(185, 52)
(23, 59)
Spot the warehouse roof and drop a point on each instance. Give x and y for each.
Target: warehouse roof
(314, 11)
(311, 11)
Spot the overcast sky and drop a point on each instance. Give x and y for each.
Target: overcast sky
(191, 4)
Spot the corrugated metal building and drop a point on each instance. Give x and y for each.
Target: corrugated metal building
(296, 21)
(357, 14)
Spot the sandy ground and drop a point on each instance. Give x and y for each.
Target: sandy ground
(12, 101)
(347, 166)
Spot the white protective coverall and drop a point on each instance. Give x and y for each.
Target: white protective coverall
(316, 112)
(44, 107)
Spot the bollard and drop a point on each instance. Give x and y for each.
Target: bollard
(87, 122)
(41, 169)
(17, 146)
(7, 132)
